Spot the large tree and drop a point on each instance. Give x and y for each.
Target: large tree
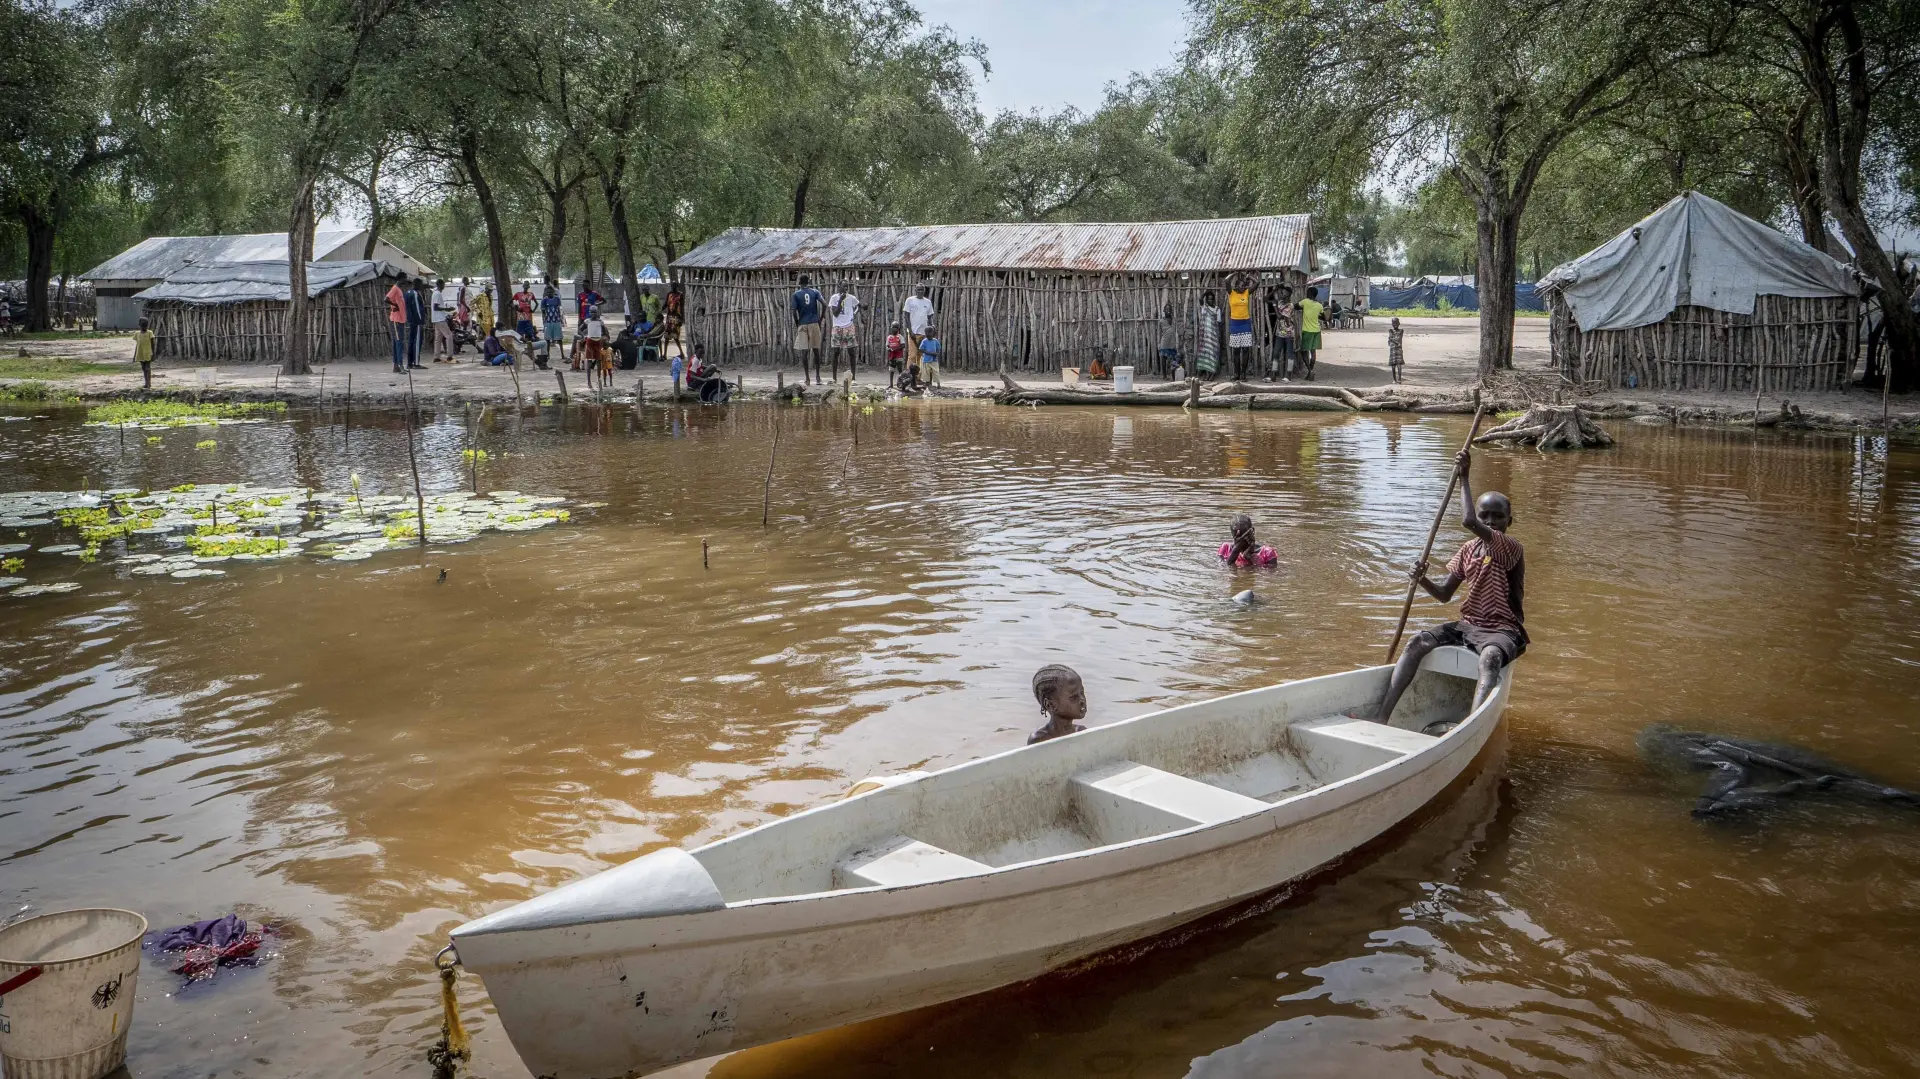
(1331, 92)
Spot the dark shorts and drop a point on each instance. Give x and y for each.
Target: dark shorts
(1511, 645)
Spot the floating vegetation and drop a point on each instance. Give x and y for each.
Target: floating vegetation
(161, 414)
(206, 444)
(193, 525)
(475, 455)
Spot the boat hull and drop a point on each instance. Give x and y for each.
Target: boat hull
(625, 997)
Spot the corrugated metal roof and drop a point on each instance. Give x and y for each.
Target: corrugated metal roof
(1234, 243)
(157, 257)
(241, 282)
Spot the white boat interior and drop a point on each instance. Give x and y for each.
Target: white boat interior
(1183, 768)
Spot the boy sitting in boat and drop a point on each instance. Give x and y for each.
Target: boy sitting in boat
(1493, 567)
(1063, 699)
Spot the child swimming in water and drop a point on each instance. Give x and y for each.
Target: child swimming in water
(1063, 699)
(1243, 549)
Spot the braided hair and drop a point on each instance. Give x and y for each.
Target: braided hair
(1050, 678)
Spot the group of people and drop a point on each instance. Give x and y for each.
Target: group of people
(1293, 334)
(829, 324)
(1492, 566)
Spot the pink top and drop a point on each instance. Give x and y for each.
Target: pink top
(1265, 556)
(396, 305)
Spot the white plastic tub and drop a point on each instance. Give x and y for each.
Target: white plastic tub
(1123, 380)
(73, 975)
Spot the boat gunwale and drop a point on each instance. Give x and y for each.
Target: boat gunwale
(1416, 761)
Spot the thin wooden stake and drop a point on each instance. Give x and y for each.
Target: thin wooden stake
(766, 489)
(419, 500)
(560, 377)
(473, 451)
(703, 555)
(1453, 477)
(346, 429)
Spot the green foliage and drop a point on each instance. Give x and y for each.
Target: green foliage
(472, 455)
(13, 565)
(228, 541)
(37, 392)
(181, 413)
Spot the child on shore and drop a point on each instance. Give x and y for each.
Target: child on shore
(1493, 566)
(896, 353)
(1396, 354)
(1243, 549)
(143, 353)
(930, 351)
(1063, 700)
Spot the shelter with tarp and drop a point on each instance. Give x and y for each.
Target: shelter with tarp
(236, 312)
(1698, 295)
(1020, 296)
(1454, 293)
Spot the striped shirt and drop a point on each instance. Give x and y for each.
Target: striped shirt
(1485, 568)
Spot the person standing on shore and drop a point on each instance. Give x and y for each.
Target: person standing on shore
(809, 326)
(1169, 348)
(553, 325)
(1396, 351)
(443, 305)
(917, 312)
(523, 304)
(417, 309)
(483, 310)
(1310, 311)
(843, 306)
(1240, 323)
(143, 353)
(1206, 346)
(397, 325)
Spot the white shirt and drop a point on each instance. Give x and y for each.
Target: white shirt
(919, 311)
(596, 329)
(443, 302)
(847, 304)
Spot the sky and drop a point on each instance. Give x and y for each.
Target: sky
(1049, 53)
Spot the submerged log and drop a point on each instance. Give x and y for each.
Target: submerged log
(1339, 393)
(1064, 396)
(1551, 427)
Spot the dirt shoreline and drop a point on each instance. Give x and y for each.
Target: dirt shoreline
(1441, 373)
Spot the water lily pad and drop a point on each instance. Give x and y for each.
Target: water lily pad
(352, 556)
(12, 582)
(14, 548)
(45, 589)
(152, 569)
(60, 548)
(24, 522)
(197, 572)
(137, 559)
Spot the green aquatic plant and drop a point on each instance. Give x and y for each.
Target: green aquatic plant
(181, 413)
(401, 532)
(226, 543)
(474, 455)
(153, 440)
(13, 565)
(205, 444)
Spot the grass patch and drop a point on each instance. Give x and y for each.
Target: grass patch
(57, 367)
(180, 413)
(35, 393)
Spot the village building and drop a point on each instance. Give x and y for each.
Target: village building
(1021, 297)
(236, 312)
(1698, 296)
(149, 262)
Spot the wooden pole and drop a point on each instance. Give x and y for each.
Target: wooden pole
(703, 555)
(560, 377)
(766, 489)
(419, 500)
(1453, 477)
(346, 429)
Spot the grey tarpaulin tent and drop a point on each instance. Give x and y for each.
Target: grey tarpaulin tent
(1700, 296)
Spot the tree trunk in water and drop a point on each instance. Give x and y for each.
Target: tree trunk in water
(299, 250)
(610, 184)
(1498, 221)
(40, 231)
(490, 213)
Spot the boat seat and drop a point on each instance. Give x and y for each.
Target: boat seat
(1340, 746)
(1125, 800)
(902, 861)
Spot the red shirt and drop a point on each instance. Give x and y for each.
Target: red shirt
(1486, 569)
(896, 347)
(523, 303)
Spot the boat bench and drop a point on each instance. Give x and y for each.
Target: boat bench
(902, 861)
(1338, 746)
(1124, 800)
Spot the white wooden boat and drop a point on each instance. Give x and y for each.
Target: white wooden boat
(955, 882)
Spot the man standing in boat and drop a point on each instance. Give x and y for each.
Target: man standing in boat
(1493, 567)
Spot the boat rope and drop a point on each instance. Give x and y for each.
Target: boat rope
(452, 1050)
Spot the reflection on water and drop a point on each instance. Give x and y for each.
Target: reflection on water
(371, 756)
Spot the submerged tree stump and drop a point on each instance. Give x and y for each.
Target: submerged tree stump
(1551, 427)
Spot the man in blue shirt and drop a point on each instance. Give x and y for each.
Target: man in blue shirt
(809, 326)
(417, 308)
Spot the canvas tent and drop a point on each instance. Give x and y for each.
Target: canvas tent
(1700, 296)
(236, 312)
(1038, 296)
(150, 261)
(1459, 294)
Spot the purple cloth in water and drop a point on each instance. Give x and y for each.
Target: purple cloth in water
(217, 932)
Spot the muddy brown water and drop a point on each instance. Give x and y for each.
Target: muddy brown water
(370, 757)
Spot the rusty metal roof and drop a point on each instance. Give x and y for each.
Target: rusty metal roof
(1234, 243)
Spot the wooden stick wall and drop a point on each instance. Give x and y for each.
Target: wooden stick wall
(1024, 320)
(343, 323)
(1788, 343)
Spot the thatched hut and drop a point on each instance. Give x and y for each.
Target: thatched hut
(236, 312)
(1033, 297)
(1699, 296)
